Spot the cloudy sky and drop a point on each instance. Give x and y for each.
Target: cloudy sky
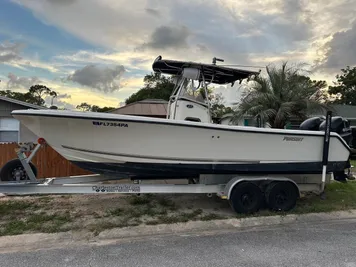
(98, 51)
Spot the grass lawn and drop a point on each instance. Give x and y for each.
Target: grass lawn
(353, 163)
(93, 213)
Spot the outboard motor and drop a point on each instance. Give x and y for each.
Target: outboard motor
(340, 126)
(311, 124)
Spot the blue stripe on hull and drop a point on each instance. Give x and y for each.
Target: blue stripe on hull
(171, 171)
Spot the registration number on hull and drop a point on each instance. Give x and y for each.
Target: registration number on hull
(110, 124)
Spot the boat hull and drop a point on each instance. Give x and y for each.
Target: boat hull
(141, 171)
(152, 148)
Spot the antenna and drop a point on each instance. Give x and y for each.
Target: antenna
(217, 59)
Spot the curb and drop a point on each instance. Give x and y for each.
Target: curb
(30, 242)
(218, 225)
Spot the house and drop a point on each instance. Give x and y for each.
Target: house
(346, 111)
(11, 130)
(156, 108)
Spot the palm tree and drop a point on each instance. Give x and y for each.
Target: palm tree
(284, 94)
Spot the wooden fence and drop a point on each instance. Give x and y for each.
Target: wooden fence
(48, 162)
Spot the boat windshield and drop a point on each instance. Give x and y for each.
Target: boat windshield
(193, 90)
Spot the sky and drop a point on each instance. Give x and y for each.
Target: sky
(98, 51)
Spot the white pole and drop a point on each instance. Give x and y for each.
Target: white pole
(323, 180)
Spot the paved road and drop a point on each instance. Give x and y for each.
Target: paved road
(318, 244)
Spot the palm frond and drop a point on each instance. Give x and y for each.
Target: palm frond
(283, 94)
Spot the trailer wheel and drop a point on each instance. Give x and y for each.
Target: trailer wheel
(13, 169)
(281, 196)
(246, 197)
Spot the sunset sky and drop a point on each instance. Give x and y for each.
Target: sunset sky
(98, 51)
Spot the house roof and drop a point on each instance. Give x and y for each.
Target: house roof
(345, 111)
(18, 102)
(147, 107)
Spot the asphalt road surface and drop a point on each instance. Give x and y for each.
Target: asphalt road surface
(324, 244)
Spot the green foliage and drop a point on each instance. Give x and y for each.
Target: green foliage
(218, 109)
(39, 91)
(282, 95)
(344, 90)
(84, 106)
(24, 97)
(34, 96)
(94, 108)
(156, 86)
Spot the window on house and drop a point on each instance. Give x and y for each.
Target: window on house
(9, 136)
(9, 130)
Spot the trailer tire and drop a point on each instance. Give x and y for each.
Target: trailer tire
(281, 196)
(246, 197)
(14, 168)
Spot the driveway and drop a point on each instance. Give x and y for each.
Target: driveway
(326, 243)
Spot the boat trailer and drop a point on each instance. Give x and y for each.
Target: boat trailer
(245, 193)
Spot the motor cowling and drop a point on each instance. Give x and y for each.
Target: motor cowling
(311, 124)
(340, 126)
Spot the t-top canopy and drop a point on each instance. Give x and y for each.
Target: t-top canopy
(212, 73)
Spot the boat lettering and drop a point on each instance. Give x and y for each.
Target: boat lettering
(117, 188)
(295, 139)
(112, 124)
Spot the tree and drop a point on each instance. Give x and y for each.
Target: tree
(53, 94)
(218, 109)
(94, 108)
(24, 97)
(104, 109)
(33, 96)
(156, 86)
(84, 106)
(284, 94)
(344, 90)
(39, 91)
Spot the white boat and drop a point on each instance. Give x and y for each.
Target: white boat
(186, 143)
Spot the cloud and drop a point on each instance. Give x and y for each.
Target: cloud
(202, 48)
(153, 12)
(61, 2)
(16, 82)
(242, 32)
(167, 37)
(64, 96)
(10, 55)
(60, 102)
(105, 79)
(340, 50)
(10, 52)
(110, 23)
